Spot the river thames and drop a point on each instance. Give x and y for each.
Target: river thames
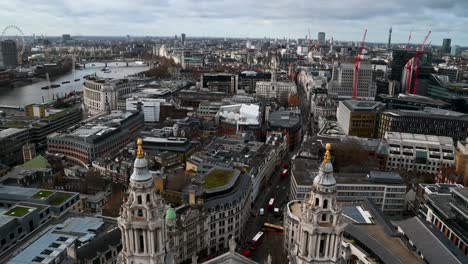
(33, 93)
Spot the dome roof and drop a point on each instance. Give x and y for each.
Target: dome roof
(170, 214)
(140, 166)
(325, 179)
(325, 175)
(140, 170)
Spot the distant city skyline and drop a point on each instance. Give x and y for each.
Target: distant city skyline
(243, 18)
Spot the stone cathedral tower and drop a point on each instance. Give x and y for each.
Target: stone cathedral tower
(320, 230)
(141, 220)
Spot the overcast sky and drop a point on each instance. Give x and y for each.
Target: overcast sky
(342, 19)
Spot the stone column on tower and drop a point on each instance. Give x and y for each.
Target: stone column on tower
(320, 225)
(142, 220)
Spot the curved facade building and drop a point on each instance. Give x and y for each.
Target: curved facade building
(101, 94)
(102, 138)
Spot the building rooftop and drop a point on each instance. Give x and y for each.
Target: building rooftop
(10, 131)
(429, 112)
(217, 178)
(433, 246)
(38, 162)
(290, 119)
(419, 138)
(387, 178)
(53, 243)
(243, 114)
(304, 170)
(355, 105)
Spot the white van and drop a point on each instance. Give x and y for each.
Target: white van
(262, 211)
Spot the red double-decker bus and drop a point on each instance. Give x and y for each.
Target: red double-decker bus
(256, 241)
(271, 203)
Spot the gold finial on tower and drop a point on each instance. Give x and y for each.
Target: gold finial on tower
(140, 151)
(327, 156)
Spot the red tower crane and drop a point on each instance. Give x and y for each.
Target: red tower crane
(409, 40)
(357, 62)
(418, 53)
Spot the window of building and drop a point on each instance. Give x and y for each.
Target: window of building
(325, 204)
(46, 252)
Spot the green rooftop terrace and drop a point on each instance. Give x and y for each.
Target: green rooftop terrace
(42, 194)
(60, 198)
(217, 178)
(19, 211)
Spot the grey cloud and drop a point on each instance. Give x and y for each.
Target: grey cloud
(238, 18)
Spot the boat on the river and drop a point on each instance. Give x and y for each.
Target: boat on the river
(77, 80)
(52, 86)
(65, 82)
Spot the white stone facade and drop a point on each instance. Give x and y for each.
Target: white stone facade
(278, 90)
(101, 95)
(142, 220)
(314, 228)
(419, 153)
(151, 107)
(343, 78)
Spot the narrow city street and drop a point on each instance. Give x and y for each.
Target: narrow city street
(277, 188)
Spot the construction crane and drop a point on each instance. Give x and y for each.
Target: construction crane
(409, 40)
(416, 58)
(357, 62)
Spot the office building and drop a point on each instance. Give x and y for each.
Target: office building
(429, 121)
(455, 50)
(321, 38)
(359, 118)
(419, 153)
(102, 137)
(386, 189)
(209, 109)
(274, 89)
(446, 46)
(151, 107)
(399, 59)
(454, 93)
(220, 82)
(193, 97)
(101, 94)
(12, 141)
(248, 80)
(408, 79)
(64, 242)
(182, 38)
(8, 54)
(290, 122)
(411, 102)
(454, 74)
(320, 211)
(26, 210)
(341, 84)
(66, 38)
(442, 206)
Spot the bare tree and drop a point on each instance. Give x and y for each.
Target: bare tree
(351, 157)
